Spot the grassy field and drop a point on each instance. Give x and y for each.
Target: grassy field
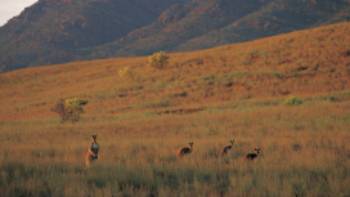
(142, 115)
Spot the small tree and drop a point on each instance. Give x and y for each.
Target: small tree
(126, 72)
(70, 109)
(158, 60)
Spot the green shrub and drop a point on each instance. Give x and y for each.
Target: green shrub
(158, 60)
(70, 109)
(127, 72)
(293, 100)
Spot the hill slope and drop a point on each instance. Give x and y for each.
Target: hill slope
(60, 31)
(305, 63)
(212, 23)
(142, 115)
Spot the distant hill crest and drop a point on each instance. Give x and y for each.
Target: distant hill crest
(58, 31)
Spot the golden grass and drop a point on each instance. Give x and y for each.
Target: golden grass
(305, 152)
(206, 97)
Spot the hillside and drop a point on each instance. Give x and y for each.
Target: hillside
(288, 95)
(61, 31)
(302, 63)
(212, 23)
(51, 31)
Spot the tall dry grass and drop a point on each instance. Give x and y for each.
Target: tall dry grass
(305, 152)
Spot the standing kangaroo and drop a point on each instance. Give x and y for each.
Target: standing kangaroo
(228, 147)
(92, 153)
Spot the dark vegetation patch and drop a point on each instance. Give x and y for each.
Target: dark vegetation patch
(181, 111)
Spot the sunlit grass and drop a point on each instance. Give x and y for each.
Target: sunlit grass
(305, 152)
(206, 97)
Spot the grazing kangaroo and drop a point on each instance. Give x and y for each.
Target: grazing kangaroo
(92, 153)
(185, 150)
(253, 155)
(228, 147)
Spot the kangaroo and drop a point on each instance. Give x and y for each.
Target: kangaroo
(185, 150)
(253, 155)
(91, 154)
(228, 147)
